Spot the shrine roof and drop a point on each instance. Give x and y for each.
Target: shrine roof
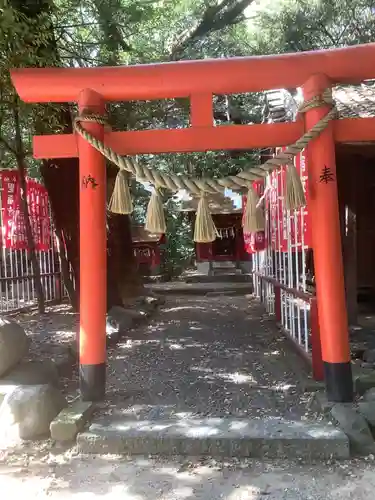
(218, 204)
(352, 101)
(140, 235)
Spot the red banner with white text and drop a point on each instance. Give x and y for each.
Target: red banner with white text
(284, 226)
(254, 242)
(13, 221)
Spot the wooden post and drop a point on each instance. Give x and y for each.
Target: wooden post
(316, 347)
(329, 272)
(350, 237)
(93, 249)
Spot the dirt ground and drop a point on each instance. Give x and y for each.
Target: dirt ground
(206, 357)
(49, 474)
(51, 334)
(186, 372)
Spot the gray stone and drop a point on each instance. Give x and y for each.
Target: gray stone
(320, 404)
(14, 344)
(217, 437)
(367, 410)
(27, 411)
(366, 365)
(311, 385)
(204, 267)
(246, 266)
(364, 382)
(137, 315)
(149, 301)
(64, 365)
(180, 288)
(71, 420)
(127, 317)
(369, 356)
(112, 329)
(355, 427)
(32, 373)
(369, 395)
(121, 316)
(118, 321)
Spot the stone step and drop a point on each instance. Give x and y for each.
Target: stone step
(224, 270)
(183, 288)
(228, 264)
(216, 437)
(219, 278)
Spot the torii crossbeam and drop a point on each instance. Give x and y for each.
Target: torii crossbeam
(91, 88)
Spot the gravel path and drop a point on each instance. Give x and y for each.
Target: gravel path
(199, 355)
(68, 476)
(50, 333)
(206, 356)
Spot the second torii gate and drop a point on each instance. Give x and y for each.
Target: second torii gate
(91, 88)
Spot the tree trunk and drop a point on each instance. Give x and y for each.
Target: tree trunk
(65, 270)
(60, 177)
(20, 157)
(61, 180)
(124, 281)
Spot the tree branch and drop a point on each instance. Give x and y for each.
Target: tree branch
(215, 18)
(7, 146)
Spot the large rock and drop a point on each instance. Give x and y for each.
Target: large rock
(120, 316)
(27, 411)
(369, 395)
(367, 410)
(150, 301)
(14, 344)
(118, 321)
(355, 427)
(32, 373)
(71, 420)
(369, 356)
(364, 382)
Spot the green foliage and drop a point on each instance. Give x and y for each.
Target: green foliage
(297, 25)
(80, 33)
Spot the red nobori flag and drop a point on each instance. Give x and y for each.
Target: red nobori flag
(13, 221)
(254, 242)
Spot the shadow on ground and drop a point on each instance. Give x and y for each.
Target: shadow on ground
(206, 357)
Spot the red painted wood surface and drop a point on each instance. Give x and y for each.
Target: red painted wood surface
(325, 232)
(193, 139)
(93, 240)
(184, 78)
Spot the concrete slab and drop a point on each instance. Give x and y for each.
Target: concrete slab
(180, 288)
(71, 420)
(320, 403)
(364, 382)
(219, 278)
(217, 437)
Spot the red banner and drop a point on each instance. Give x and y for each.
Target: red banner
(303, 214)
(13, 221)
(296, 222)
(254, 242)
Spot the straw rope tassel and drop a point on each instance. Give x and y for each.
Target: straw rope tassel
(195, 185)
(294, 194)
(155, 220)
(253, 216)
(204, 230)
(121, 200)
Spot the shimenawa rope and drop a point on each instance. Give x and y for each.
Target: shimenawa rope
(294, 195)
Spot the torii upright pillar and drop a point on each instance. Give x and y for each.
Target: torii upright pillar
(93, 254)
(328, 262)
(188, 79)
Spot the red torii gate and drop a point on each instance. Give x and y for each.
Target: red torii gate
(199, 80)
